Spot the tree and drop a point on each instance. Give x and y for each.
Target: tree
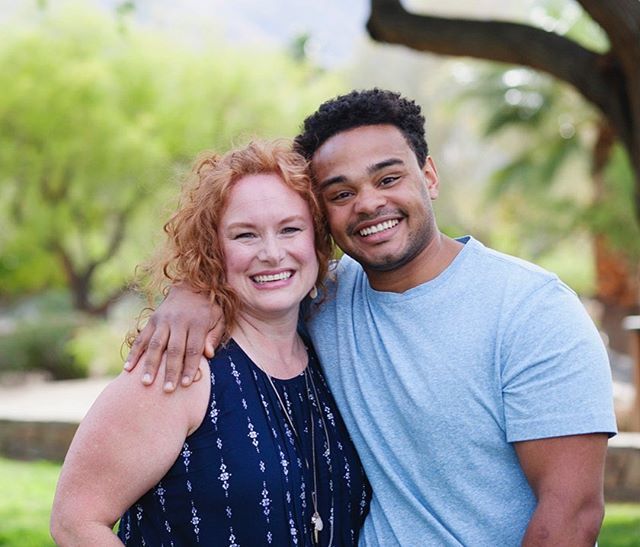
(548, 189)
(97, 121)
(610, 80)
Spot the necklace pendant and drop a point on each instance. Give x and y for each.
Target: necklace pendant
(317, 522)
(317, 526)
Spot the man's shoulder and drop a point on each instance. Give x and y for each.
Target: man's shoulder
(509, 270)
(347, 264)
(344, 271)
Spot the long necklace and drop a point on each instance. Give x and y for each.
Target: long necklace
(316, 519)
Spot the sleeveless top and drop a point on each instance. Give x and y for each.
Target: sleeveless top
(242, 477)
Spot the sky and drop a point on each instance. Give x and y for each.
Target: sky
(335, 26)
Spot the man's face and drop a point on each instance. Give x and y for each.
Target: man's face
(376, 196)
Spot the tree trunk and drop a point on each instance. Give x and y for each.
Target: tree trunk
(617, 287)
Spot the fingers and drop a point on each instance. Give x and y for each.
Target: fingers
(192, 353)
(139, 346)
(198, 375)
(214, 336)
(153, 356)
(175, 357)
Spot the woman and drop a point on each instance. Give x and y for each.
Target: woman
(258, 455)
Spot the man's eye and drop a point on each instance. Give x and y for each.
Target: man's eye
(340, 196)
(386, 181)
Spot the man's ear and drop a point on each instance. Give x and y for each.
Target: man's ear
(431, 177)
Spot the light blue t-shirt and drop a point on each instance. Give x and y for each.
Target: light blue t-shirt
(435, 383)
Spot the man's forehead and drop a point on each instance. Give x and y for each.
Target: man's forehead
(359, 149)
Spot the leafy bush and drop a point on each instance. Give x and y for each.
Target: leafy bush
(42, 346)
(99, 346)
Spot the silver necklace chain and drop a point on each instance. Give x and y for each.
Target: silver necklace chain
(316, 521)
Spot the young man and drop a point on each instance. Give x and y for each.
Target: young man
(475, 387)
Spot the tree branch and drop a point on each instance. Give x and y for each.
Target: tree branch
(493, 40)
(620, 20)
(597, 77)
(116, 239)
(103, 307)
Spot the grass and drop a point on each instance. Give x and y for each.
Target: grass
(27, 493)
(621, 525)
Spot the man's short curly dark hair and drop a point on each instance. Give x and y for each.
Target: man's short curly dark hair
(360, 108)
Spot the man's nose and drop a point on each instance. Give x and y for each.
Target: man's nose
(369, 200)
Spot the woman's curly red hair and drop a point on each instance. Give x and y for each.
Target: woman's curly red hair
(192, 253)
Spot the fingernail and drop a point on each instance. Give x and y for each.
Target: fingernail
(146, 379)
(127, 365)
(186, 380)
(168, 386)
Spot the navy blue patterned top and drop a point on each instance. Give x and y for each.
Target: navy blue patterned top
(241, 478)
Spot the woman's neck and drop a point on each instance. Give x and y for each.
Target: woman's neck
(274, 346)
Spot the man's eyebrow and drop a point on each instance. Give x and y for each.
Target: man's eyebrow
(330, 181)
(382, 164)
(370, 171)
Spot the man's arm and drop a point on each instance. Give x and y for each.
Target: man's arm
(184, 326)
(567, 476)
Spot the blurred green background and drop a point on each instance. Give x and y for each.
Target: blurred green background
(27, 493)
(104, 104)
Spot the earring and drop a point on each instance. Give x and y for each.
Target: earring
(313, 293)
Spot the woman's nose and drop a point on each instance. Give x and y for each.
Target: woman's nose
(271, 250)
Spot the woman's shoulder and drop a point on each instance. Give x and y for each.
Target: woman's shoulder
(228, 364)
(226, 354)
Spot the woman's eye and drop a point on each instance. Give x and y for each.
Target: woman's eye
(290, 230)
(244, 235)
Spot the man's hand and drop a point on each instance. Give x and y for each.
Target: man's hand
(566, 475)
(185, 326)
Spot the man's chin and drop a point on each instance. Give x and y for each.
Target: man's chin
(380, 263)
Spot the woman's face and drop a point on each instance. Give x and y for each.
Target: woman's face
(267, 240)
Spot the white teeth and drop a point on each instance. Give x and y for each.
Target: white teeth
(378, 227)
(272, 277)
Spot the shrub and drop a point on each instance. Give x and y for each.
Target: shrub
(42, 346)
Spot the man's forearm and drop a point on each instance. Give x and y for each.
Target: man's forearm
(552, 524)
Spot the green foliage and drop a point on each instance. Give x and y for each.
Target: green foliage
(27, 494)
(28, 489)
(97, 122)
(99, 344)
(544, 194)
(617, 218)
(621, 526)
(42, 346)
(99, 347)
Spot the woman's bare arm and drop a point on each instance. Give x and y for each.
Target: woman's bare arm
(115, 458)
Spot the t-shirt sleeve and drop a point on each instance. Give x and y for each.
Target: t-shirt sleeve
(556, 378)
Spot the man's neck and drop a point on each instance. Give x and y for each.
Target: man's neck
(425, 266)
